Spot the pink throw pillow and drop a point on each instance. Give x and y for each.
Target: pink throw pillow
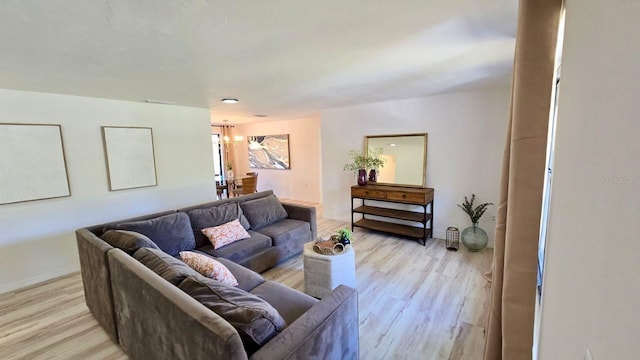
(208, 267)
(225, 234)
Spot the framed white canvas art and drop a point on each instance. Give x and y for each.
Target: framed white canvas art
(33, 163)
(130, 157)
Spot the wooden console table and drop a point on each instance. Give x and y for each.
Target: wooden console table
(394, 194)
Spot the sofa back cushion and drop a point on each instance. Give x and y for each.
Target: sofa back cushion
(264, 211)
(255, 319)
(127, 241)
(214, 216)
(172, 233)
(161, 263)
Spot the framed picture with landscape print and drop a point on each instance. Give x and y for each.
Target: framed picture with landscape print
(269, 152)
(130, 157)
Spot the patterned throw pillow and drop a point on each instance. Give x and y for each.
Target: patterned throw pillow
(208, 267)
(225, 233)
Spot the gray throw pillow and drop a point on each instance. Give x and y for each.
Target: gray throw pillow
(214, 216)
(255, 319)
(161, 263)
(263, 211)
(172, 233)
(127, 241)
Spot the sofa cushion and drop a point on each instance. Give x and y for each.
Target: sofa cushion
(290, 303)
(240, 249)
(225, 234)
(264, 211)
(287, 230)
(255, 319)
(247, 279)
(214, 216)
(172, 233)
(208, 267)
(161, 263)
(127, 241)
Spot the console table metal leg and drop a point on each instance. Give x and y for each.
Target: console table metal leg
(431, 221)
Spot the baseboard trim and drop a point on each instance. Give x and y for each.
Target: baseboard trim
(38, 279)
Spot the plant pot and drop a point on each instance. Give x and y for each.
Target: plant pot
(362, 177)
(373, 175)
(474, 238)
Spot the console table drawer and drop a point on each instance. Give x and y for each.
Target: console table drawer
(368, 193)
(406, 196)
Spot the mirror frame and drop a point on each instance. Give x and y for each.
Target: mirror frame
(424, 167)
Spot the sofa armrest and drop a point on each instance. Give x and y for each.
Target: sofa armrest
(303, 213)
(96, 279)
(156, 320)
(329, 330)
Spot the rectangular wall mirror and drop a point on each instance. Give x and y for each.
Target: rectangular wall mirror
(405, 158)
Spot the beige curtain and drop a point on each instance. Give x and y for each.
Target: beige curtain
(227, 141)
(511, 312)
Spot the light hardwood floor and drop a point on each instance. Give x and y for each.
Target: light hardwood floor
(415, 302)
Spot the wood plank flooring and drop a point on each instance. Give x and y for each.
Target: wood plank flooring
(415, 302)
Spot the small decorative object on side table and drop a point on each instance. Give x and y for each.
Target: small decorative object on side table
(328, 247)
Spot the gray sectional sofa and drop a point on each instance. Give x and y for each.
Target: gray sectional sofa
(156, 307)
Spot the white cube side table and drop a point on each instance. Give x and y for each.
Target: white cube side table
(323, 273)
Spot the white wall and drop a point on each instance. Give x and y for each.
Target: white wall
(303, 181)
(37, 240)
(591, 288)
(466, 141)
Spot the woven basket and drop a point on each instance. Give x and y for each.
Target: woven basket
(328, 247)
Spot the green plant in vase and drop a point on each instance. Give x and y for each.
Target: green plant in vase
(358, 164)
(375, 162)
(344, 236)
(229, 166)
(473, 237)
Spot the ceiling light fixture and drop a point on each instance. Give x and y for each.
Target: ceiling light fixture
(230, 101)
(392, 144)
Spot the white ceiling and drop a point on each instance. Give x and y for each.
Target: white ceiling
(284, 58)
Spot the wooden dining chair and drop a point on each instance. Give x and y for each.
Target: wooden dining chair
(221, 188)
(249, 186)
(255, 173)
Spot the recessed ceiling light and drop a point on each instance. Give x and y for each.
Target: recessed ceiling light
(230, 101)
(392, 144)
(260, 115)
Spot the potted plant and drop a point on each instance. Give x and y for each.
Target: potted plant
(473, 237)
(229, 166)
(375, 162)
(345, 236)
(358, 164)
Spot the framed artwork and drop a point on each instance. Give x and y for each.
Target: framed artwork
(130, 157)
(269, 152)
(33, 163)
